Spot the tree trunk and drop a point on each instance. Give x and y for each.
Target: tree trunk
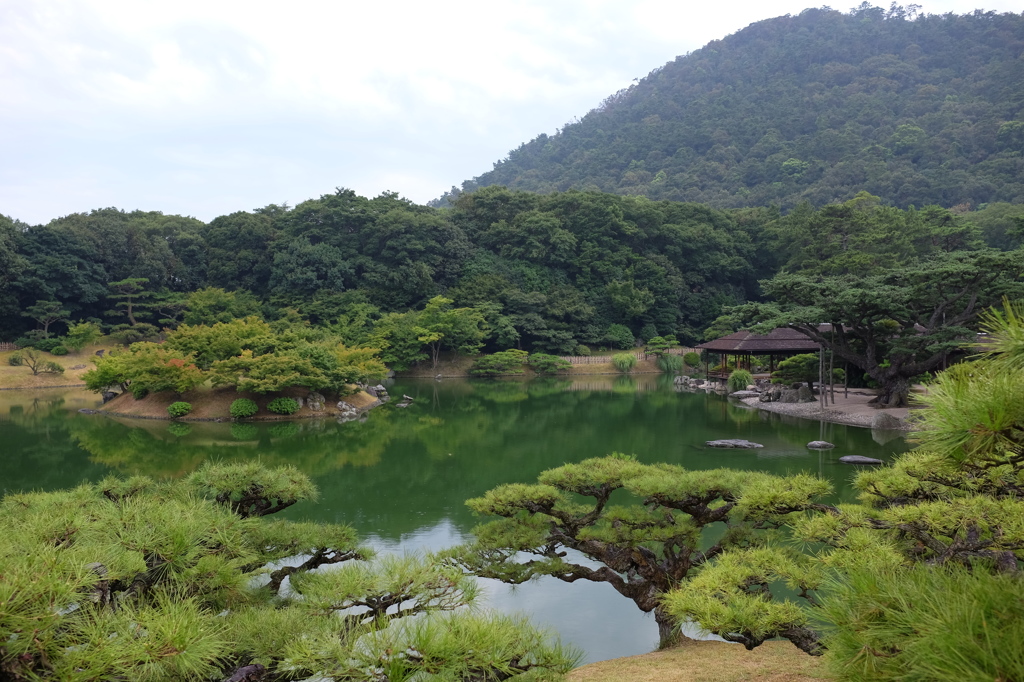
(669, 631)
(894, 393)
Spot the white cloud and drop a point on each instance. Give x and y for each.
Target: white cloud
(206, 107)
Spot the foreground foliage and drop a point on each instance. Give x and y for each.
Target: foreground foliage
(131, 579)
(686, 521)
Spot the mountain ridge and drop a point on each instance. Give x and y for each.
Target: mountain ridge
(916, 109)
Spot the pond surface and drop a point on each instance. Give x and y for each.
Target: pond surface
(401, 476)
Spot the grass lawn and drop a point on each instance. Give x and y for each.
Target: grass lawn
(709, 662)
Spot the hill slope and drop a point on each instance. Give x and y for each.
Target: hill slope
(917, 110)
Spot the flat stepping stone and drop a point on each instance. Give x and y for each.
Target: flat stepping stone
(733, 443)
(859, 459)
(820, 445)
(745, 394)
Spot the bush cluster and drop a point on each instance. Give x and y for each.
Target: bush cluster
(691, 359)
(670, 363)
(60, 349)
(283, 405)
(504, 362)
(542, 363)
(243, 407)
(179, 409)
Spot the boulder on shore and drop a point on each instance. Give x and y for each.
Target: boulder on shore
(886, 422)
(733, 443)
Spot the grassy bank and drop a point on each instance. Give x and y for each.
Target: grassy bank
(709, 662)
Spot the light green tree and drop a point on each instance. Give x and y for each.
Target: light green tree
(185, 580)
(681, 523)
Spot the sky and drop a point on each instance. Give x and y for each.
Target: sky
(203, 108)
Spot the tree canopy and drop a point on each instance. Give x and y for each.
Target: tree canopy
(134, 579)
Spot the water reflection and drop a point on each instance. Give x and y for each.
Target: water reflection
(401, 476)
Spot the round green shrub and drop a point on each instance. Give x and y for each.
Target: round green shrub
(624, 361)
(15, 360)
(179, 409)
(179, 430)
(59, 350)
(282, 405)
(47, 345)
(243, 407)
(583, 350)
(691, 359)
(739, 380)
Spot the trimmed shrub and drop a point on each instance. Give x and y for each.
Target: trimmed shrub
(670, 363)
(14, 360)
(242, 408)
(503, 362)
(283, 405)
(691, 359)
(47, 345)
(624, 361)
(542, 363)
(739, 380)
(179, 409)
(59, 350)
(583, 350)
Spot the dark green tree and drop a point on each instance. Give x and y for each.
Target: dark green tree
(896, 325)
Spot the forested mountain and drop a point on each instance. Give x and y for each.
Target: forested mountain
(917, 110)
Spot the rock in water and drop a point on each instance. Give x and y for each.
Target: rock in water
(733, 443)
(820, 445)
(859, 459)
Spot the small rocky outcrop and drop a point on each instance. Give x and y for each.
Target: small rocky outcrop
(859, 459)
(346, 412)
(736, 443)
(820, 445)
(315, 402)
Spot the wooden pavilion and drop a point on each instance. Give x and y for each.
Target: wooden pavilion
(781, 341)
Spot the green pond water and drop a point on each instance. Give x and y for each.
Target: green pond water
(401, 476)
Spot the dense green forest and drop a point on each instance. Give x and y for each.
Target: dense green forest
(816, 107)
(542, 272)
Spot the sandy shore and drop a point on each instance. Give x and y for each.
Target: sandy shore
(853, 409)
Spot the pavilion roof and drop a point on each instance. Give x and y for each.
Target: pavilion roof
(779, 340)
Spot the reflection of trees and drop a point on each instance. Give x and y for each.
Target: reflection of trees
(406, 468)
(152, 449)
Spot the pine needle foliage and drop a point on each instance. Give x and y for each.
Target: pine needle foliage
(139, 580)
(675, 526)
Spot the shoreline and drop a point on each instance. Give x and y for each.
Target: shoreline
(851, 411)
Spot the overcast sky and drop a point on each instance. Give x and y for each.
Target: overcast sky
(207, 107)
